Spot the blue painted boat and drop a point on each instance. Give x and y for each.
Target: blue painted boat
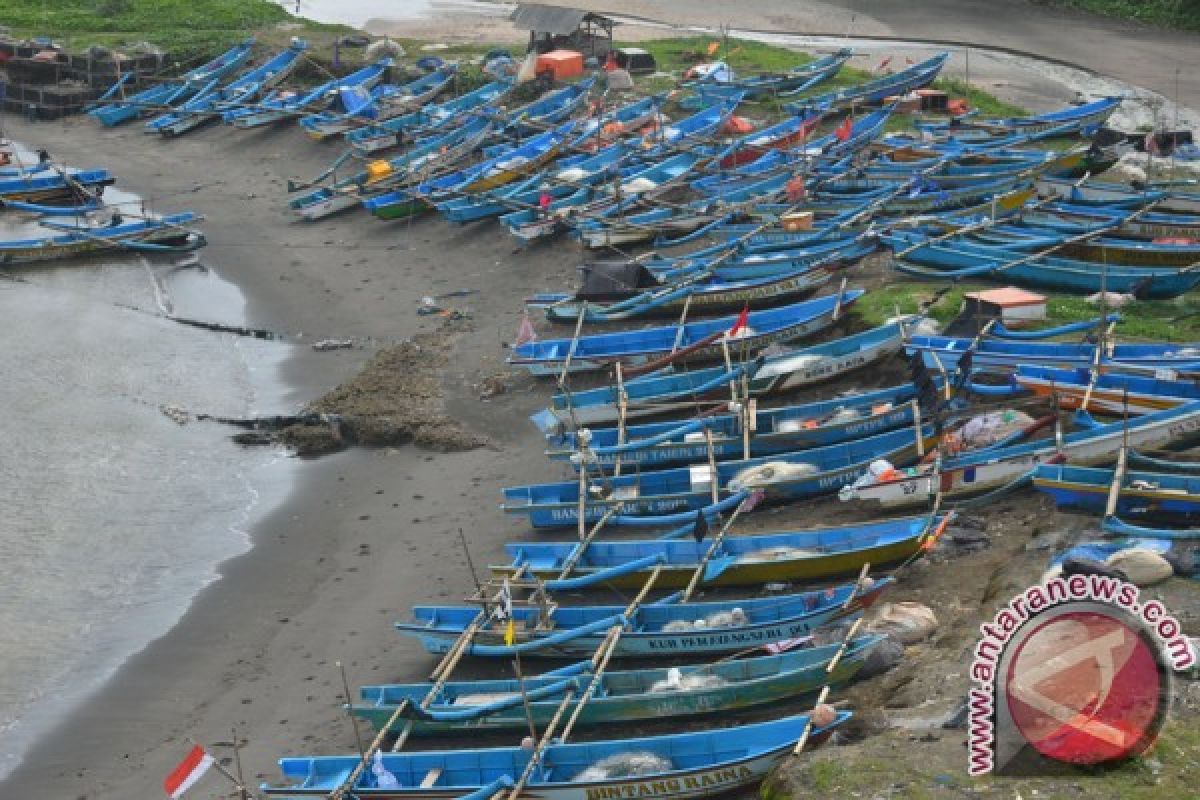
(383, 102)
(150, 235)
(54, 185)
(768, 84)
(692, 340)
(281, 105)
(959, 260)
(944, 351)
(491, 173)
(874, 91)
(1115, 526)
(705, 291)
(1110, 392)
(673, 496)
(428, 120)
(1157, 493)
(788, 429)
(694, 765)
(1009, 464)
(437, 154)
(653, 631)
(113, 108)
(746, 560)
(697, 391)
(1085, 119)
(689, 130)
(620, 697)
(1102, 194)
(616, 123)
(202, 108)
(549, 109)
(559, 180)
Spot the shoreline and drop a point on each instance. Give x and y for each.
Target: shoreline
(256, 649)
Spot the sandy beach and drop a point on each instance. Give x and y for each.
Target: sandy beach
(370, 532)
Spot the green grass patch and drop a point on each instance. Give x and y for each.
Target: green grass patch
(746, 57)
(190, 30)
(1158, 320)
(1182, 14)
(986, 104)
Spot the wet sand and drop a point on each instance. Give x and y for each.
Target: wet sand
(369, 532)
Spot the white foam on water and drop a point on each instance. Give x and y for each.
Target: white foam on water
(115, 516)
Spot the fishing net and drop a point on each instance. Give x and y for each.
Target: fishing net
(781, 553)
(633, 764)
(771, 472)
(734, 618)
(676, 681)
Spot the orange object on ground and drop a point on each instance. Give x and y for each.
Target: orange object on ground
(561, 64)
(1173, 240)
(958, 107)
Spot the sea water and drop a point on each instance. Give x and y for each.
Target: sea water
(115, 515)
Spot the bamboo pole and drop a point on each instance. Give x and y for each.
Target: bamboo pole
(716, 544)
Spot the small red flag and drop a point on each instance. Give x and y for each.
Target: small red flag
(845, 129)
(742, 319)
(908, 60)
(525, 331)
(884, 63)
(544, 201)
(190, 770)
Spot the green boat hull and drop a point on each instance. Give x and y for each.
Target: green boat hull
(607, 709)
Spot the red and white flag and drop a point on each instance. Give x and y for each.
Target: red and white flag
(742, 319)
(525, 331)
(190, 770)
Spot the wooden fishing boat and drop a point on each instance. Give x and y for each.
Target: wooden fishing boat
(1109, 195)
(425, 158)
(673, 496)
(654, 631)
(700, 765)
(113, 107)
(691, 340)
(749, 560)
(776, 430)
(698, 390)
(1145, 224)
(548, 110)
(489, 174)
(616, 123)
(202, 108)
(768, 84)
(57, 184)
(1157, 493)
(690, 130)
(1098, 249)
(1115, 526)
(565, 176)
(874, 91)
(149, 235)
(465, 707)
(1085, 119)
(428, 120)
(956, 260)
(383, 102)
(1107, 393)
(943, 352)
(281, 105)
(793, 131)
(997, 467)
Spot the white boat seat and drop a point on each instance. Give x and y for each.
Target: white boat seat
(431, 777)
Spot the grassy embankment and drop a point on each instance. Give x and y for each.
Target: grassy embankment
(189, 30)
(1181, 14)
